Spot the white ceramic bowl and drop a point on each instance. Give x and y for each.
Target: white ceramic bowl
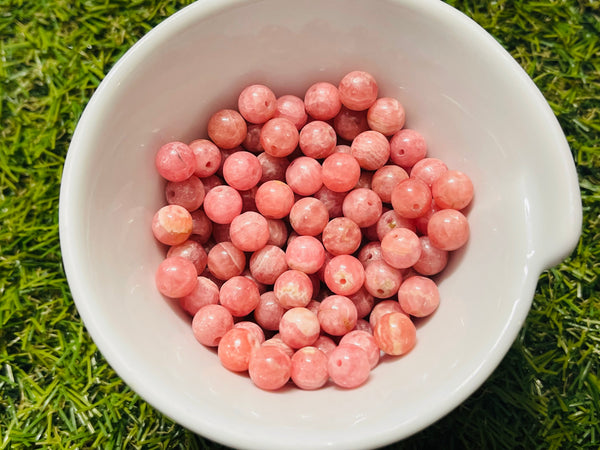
(478, 111)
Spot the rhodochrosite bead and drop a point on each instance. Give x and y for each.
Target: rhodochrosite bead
(257, 103)
(227, 129)
(239, 295)
(317, 139)
(176, 277)
(365, 341)
(235, 348)
(371, 149)
(407, 147)
(270, 367)
(348, 124)
(222, 204)
(309, 368)
(242, 170)
(172, 224)
(225, 260)
(452, 189)
(419, 296)
(381, 309)
(268, 312)
(386, 116)
(322, 101)
(299, 327)
(187, 193)
(432, 260)
(363, 207)
(395, 333)
(344, 275)
(279, 137)
(306, 254)
(208, 157)
(340, 172)
(341, 236)
(337, 315)
(210, 324)
(411, 198)
(191, 250)
(385, 179)
(348, 366)
(293, 288)
(358, 90)
(308, 216)
(428, 170)
(401, 248)
(175, 161)
(249, 231)
(292, 108)
(205, 293)
(267, 264)
(448, 229)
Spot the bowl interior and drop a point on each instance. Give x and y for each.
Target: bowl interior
(460, 90)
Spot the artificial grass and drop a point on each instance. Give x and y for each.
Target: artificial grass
(56, 389)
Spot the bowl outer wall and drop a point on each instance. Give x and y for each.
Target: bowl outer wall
(506, 139)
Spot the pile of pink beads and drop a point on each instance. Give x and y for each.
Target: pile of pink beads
(303, 234)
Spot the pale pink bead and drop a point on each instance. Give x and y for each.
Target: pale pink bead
(419, 296)
(363, 206)
(267, 264)
(249, 231)
(253, 328)
(448, 229)
(422, 221)
(390, 220)
(365, 341)
(252, 139)
(239, 295)
(381, 309)
(257, 103)
(348, 366)
(279, 137)
(305, 254)
(191, 250)
(309, 368)
(363, 325)
(342, 149)
(382, 280)
(221, 232)
(322, 101)
(175, 161)
(308, 216)
(370, 252)
(365, 179)
(227, 128)
(363, 301)
(386, 115)
(325, 344)
(270, 368)
(341, 236)
(452, 189)
(358, 90)
(278, 232)
(210, 323)
(314, 305)
(371, 149)
(317, 139)
(401, 248)
(428, 170)
(348, 124)
(299, 327)
(337, 315)
(292, 108)
(222, 204)
(274, 199)
(411, 198)
(205, 293)
(385, 179)
(172, 224)
(344, 275)
(341, 172)
(303, 175)
(276, 341)
(242, 171)
(207, 155)
(273, 168)
(432, 260)
(268, 312)
(176, 277)
(201, 226)
(225, 260)
(395, 334)
(211, 181)
(407, 147)
(187, 193)
(235, 348)
(293, 288)
(332, 200)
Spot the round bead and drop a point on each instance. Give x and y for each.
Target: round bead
(322, 101)
(358, 90)
(348, 366)
(371, 149)
(176, 277)
(432, 260)
(268, 312)
(210, 323)
(172, 224)
(235, 348)
(344, 275)
(381, 309)
(270, 368)
(386, 115)
(365, 341)
(382, 280)
(242, 170)
(299, 327)
(208, 157)
(257, 103)
(292, 108)
(227, 129)
(175, 161)
(205, 293)
(191, 250)
(239, 295)
(390, 220)
(267, 264)
(337, 315)
(222, 204)
(306, 254)
(293, 289)
(348, 124)
(401, 248)
(428, 170)
(249, 231)
(225, 260)
(273, 168)
(304, 175)
(279, 137)
(187, 193)
(395, 333)
(341, 236)
(411, 198)
(317, 139)
(309, 368)
(448, 229)
(363, 206)
(419, 296)
(252, 139)
(308, 216)
(452, 189)
(341, 172)
(385, 179)
(407, 147)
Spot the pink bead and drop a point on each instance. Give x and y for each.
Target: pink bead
(175, 161)
(401, 248)
(279, 137)
(201, 226)
(341, 172)
(305, 254)
(303, 175)
(407, 147)
(448, 229)
(381, 309)
(386, 115)
(325, 344)
(309, 368)
(278, 232)
(341, 236)
(210, 324)
(257, 103)
(242, 171)
(371, 149)
(227, 128)
(270, 368)
(363, 301)
(253, 328)
(317, 139)
(332, 200)
(292, 108)
(452, 189)
(395, 334)
(293, 289)
(249, 231)
(419, 296)
(187, 193)
(337, 315)
(222, 204)
(390, 220)
(342, 149)
(348, 366)
(267, 264)
(382, 280)
(273, 168)
(208, 157)
(322, 101)
(239, 295)
(363, 206)
(172, 224)
(262, 288)
(299, 327)
(268, 312)
(428, 170)
(235, 348)
(205, 293)
(176, 277)
(225, 260)
(252, 139)
(363, 325)
(411, 198)
(277, 342)
(348, 124)
(370, 252)
(308, 216)
(432, 260)
(274, 199)
(385, 179)
(344, 275)
(365, 341)
(191, 250)
(358, 90)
